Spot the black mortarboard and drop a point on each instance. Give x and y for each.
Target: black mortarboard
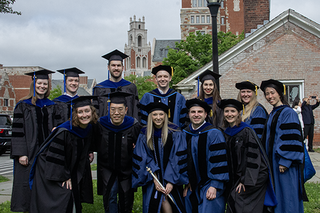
(115, 55)
(273, 83)
(118, 97)
(247, 85)
(82, 101)
(40, 74)
(157, 106)
(162, 68)
(197, 102)
(208, 75)
(71, 72)
(230, 103)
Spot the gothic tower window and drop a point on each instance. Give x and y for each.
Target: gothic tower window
(139, 41)
(144, 62)
(138, 62)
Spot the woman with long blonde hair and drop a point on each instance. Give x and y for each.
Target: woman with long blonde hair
(157, 147)
(34, 117)
(253, 113)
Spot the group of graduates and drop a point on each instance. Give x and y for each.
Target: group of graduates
(201, 155)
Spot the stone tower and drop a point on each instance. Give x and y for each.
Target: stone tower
(139, 51)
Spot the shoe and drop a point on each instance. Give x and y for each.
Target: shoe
(311, 150)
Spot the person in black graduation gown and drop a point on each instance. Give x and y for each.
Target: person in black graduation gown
(60, 177)
(209, 93)
(116, 83)
(70, 88)
(34, 117)
(118, 134)
(248, 169)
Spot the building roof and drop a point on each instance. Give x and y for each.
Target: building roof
(81, 90)
(161, 48)
(253, 40)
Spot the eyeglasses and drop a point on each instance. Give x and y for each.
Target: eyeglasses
(120, 110)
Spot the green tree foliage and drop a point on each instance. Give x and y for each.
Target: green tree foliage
(56, 92)
(191, 54)
(5, 7)
(144, 84)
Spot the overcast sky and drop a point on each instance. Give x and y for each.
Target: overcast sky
(56, 34)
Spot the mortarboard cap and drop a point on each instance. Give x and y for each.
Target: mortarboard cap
(118, 97)
(157, 106)
(167, 68)
(230, 103)
(115, 55)
(197, 102)
(273, 83)
(71, 72)
(40, 74)
(82, 101)
(208, 75)
(247, 85)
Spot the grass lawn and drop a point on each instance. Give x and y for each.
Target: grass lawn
(3, 179)
(313, 206)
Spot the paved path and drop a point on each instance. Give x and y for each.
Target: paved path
(6, 187)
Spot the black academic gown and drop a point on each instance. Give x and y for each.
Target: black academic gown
(246, 166)
(64, 156)
(115, 148)
(106, 87)
(63, 106)
(31, 125)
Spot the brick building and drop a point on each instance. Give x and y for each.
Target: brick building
(287, 49)
(7, 95)
(235, 16)
(138, 50)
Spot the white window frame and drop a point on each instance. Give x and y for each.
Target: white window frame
(293, 82)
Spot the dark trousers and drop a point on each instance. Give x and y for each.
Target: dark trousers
(309, 131)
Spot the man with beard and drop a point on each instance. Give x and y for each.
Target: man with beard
(116, 83)
(118, 134)
(174, 100)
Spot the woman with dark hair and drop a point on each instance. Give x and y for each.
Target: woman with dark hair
(209, 93)
(60, 177)
(34, 117)
(157, 147)
(248, 170)
(283, 144)
(254, 114)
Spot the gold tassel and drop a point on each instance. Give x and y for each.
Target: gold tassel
(169, 114)
(256, 90)
(211, 113)
(284, 89)
(171, 71)
(242, 109)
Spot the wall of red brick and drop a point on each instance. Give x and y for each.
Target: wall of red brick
(256, 11)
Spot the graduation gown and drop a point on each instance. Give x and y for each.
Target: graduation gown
(246, 166)
(207, 167)
(165, 161)
(174, 100)
(106, 87)
(115, 148)
(217, 119)
(257, 119)
(64, 156)
(31, 125)
(64, 106)
(286, 149)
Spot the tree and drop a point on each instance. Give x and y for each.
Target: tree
(5, 7)
(144, 84)
(196, 51)
(56, 92)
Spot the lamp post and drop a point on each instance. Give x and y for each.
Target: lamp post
(214, 8)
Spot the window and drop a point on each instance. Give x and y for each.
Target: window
(203, 32)
(222, 20)
(203, 20)
(194, 3)
(139, 41)
(294, 89)
(192, 19)
(144, 62)
(139, 27)
(208, 19)
(222, 5)
(138, 62)
(6, 102)
(199, 3)
(198, 19)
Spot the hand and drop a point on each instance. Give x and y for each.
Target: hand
(53, 129)
(211, 193)
(91, 157)
(185, 190)
(158, 187)
(68, 184)
(282, 169)
(238, 189)
(169, 188)
(133, 145)
(23, 160)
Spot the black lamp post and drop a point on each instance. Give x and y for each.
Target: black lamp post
(214, 8)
